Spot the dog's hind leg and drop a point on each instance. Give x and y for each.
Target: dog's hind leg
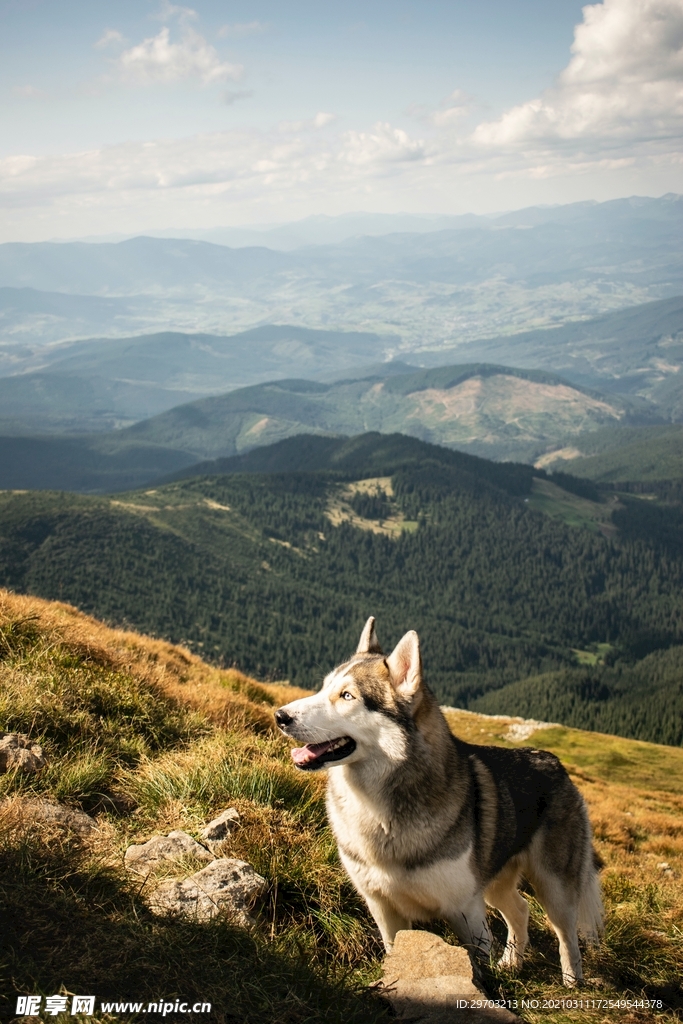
(503, 894)
(471, 927)
(388, 919)
(561, 906)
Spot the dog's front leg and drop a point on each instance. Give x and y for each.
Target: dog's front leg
(389, 920)
(471, 927)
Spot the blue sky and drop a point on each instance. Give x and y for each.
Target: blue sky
(145, 116)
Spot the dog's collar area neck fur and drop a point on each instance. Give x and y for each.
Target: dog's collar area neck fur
(317, 755)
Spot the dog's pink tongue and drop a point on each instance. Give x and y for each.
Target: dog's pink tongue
(302, 755)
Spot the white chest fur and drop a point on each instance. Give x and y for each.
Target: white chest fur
(372, 849)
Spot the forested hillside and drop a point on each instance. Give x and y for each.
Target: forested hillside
(276, 572)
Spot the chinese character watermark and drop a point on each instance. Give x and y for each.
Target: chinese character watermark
(82, 1004)
(30, 1006)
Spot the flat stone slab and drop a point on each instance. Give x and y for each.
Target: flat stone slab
(226, 886)
(144, 857)
(18, 751)
(427, 980)
(59, 814)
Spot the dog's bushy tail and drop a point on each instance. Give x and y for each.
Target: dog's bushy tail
(591, 913)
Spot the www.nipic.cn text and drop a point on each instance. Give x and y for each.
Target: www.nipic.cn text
(31, 1006)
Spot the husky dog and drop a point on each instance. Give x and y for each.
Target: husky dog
(431, 827)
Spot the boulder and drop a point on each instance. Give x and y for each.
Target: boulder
(144, 857)
(18, 751)
(217, 831)
(225, 886)
(59, 814)
(427, 980)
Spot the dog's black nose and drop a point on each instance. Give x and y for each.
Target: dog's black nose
(282, 717)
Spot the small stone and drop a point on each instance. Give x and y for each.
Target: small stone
(18, 751)
(225, 886)
(144, 857)
(217, 831)
(59, 814)
(425, 979)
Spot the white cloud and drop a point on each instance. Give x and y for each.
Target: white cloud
(231, 96)
(321, 120)
(450, 111)
(158, 59)
(169, 10)
(208, 165)
(240, 29)
(109, 37)
(383, 145)
(28, 92)
(624, 82)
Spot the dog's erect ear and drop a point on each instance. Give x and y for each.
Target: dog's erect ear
(368, 643)
(405, 665)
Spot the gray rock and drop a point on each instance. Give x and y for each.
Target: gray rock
(427, 980)
(226, 886)
(221, 828)
(144, 857)
(18, 751)
(58, 814)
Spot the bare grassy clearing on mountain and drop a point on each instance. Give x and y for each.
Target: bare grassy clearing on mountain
(487, 409)
(363, 504)
(147, 737)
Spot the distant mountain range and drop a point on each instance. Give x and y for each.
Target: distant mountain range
(434, 288)
(494, 411)
(101, 384)
(123, 410)
(320, 229)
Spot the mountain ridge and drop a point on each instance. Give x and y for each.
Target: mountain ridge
(491, 411)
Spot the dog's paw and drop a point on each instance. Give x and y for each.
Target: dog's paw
(511, 959)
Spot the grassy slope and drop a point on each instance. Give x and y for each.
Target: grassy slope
(147, 737)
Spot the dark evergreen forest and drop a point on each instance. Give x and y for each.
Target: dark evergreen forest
(518, 612)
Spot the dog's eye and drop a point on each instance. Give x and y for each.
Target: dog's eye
(346, 695)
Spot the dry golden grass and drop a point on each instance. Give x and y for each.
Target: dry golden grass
(223, 696)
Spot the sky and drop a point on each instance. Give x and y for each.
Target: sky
(138, 116)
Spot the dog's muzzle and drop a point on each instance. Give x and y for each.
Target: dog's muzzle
(313, 756)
